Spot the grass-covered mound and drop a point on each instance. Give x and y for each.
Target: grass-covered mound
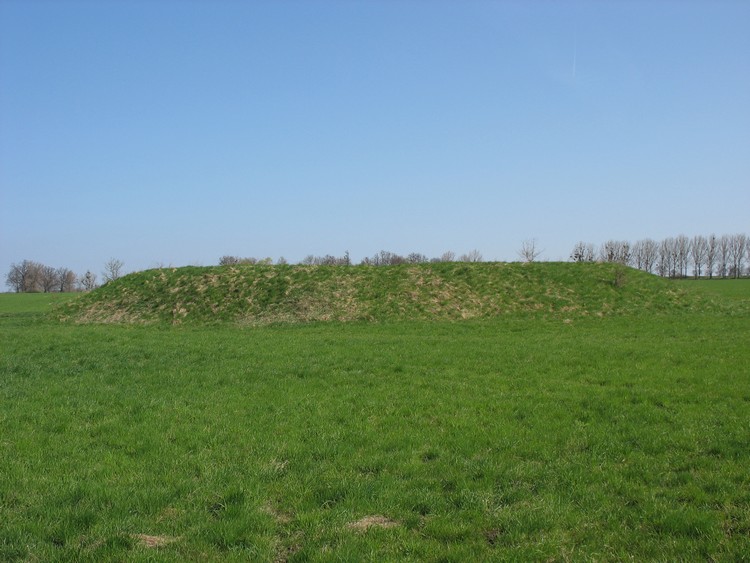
(445, 291)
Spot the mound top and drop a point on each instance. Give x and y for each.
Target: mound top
(255, 294)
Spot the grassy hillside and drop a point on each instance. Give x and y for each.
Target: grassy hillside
(446, 291)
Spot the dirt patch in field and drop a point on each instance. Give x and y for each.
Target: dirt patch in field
(364, 524)
(154, 541)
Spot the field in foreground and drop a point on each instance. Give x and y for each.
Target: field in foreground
(521, 438)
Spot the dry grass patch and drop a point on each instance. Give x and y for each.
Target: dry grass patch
(277, 514)
(376, 521)
(154, 541)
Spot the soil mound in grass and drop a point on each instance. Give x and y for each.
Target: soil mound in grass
(446, 291)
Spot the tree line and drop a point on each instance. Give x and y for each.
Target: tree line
(382, 258)
(725, 256)
(29, 276)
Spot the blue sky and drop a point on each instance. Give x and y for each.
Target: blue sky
(172, 133)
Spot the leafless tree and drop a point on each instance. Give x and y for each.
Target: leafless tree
(472, 256)
(235, 260)
(88, 281)
(25, 277)
(712, 244)
(384, 258)
(683, 254)
(636, 255)
(723, 256)
(698, 248)
(448, 256)
(529, 251)
(48, 278)
(647, 251)
(417, 258)
(674, 251)
(616, 251)
(17, 278)
(583, 252)
(66, 280)
(666, 260)
(737, 247)
(327, 260)
(281, 261)
(112, 270)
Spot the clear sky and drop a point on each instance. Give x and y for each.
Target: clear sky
(174, 132)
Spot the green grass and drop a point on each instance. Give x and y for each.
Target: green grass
(736, 290)
(519, 437)
(13, 304)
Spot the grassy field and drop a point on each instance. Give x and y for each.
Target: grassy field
(31, 303)
(737, 290)
(520, 437)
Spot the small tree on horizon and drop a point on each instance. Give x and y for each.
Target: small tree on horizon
(88, 281)
(529, 251)
(472, 256)
(112, 270)
(583, 252)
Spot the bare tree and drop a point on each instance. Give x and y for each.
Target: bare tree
(665, 265)
(88, 281)
(25, 277)
(674, 250)
(683, 254)
(112, 270)
(529, 251)
(329, 260)
(637, 255)
(712, 244)
(16, 278)
(698, 248)
(416, 258)
(472, 256)
(66, 280)
(616, 251)
(723, 255)
(737, 244)
(48, 278)
(583, 252)
(384, 258)
(649, 252)
(448, 256)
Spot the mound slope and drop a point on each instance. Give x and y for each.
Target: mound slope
(445, 291)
